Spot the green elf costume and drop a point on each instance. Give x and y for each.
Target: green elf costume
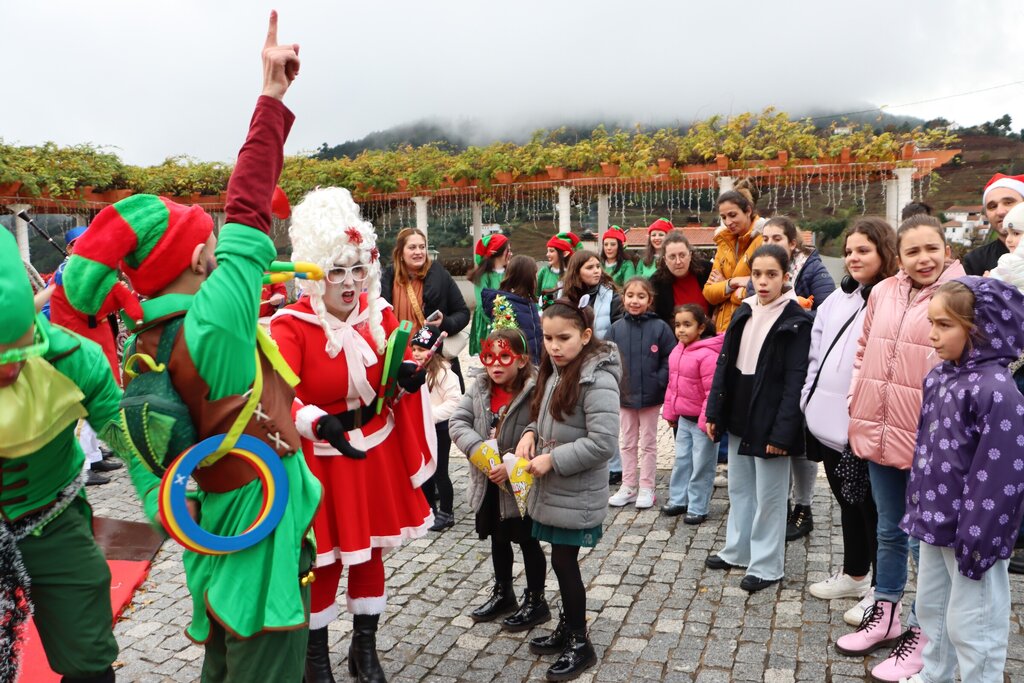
(49, 562)
(249, 607)
(488, 247)
(549, 281)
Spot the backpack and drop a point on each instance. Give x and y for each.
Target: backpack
(155, 423)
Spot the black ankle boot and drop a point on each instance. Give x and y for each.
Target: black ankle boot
(533, 611)
(577, 657)
(549, 645)
(800, 522)
(105, 677)
(318, 658)
(502, 601)
(362, 654)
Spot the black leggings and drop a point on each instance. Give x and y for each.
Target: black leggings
(438, 489)
(533, 558)
(565, 560)
(860, 522)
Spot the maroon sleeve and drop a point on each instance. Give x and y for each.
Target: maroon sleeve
(252, 183)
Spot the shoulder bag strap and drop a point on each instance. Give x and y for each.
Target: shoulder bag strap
(832, 346)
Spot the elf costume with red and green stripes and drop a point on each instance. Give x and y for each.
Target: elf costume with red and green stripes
(249, 607)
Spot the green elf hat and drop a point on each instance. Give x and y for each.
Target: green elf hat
(489, 245)
(19, 311)
(150, 238)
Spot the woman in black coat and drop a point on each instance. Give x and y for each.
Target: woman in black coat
(417, 287)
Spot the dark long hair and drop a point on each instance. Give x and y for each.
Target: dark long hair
(567, 392)
(520, 276)
(879, 233)
(486, 265)
(573, 286)
(790, 230)
(621, 255)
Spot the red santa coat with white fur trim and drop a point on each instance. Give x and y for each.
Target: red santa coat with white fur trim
(371, 503)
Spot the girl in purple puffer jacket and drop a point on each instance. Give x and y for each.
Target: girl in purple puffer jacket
(691, 369)
(964, 497)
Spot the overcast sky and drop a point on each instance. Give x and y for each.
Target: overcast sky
(152, 79)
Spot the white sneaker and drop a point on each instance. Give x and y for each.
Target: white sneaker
(916, 678)
(645, 499)
(624, 496)
(855, 614)
(840, 585)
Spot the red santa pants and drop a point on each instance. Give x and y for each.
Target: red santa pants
(364, 595)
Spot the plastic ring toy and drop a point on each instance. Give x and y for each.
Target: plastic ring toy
(174, 512)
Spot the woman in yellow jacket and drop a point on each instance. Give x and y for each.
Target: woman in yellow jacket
(730, 271)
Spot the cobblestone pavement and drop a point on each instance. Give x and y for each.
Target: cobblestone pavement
(655, 613)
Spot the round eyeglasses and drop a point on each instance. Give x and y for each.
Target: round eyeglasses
(504, 359)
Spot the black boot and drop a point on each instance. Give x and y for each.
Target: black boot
(502, 601)
(800, 522)
(362, 654)
(533, 611)
(105, 677)
(577, 657)
(318, 658)
(549, 645)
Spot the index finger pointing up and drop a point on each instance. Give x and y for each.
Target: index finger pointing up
(272, 30)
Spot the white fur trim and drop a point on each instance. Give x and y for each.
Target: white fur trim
(323, 617)
(358, 438)
(385, 543)
(305, 418)
(426, 469)
(367, 605)
(1009, 183)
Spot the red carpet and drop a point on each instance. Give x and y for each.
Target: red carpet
(129, 547)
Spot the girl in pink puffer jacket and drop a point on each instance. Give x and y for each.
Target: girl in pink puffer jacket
(893, 357)
(691, 368)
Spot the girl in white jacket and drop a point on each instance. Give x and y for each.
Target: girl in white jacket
(870, 257)
(445, 394)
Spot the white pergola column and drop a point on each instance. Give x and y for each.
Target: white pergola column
(421, 212)
(564, 209)
(892, 204)
(21, 229)
(904, 187)
(725, 183)
(602, 218)
(478, 221)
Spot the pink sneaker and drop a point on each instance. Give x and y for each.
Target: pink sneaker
(906, 658)
(879, 627)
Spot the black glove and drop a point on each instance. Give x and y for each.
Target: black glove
(409, 378)
(329, 428)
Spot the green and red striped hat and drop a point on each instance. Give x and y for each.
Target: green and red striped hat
(150, 238)
(661, 224)
(488, 246)
(566, 242)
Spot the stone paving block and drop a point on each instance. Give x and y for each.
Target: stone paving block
(655, 613)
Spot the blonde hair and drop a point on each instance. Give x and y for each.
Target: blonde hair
(958, 300)
(326, 228)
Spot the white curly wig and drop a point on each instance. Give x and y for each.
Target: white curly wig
(326, 227)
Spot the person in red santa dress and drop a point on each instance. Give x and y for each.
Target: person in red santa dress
(371, 465)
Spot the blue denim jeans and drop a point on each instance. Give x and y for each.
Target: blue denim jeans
(889, 489)
(693, 475)
(615, 464)
(755, 535)
(966, 621)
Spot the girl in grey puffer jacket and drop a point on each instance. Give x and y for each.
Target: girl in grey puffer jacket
(574, 434)
(497, 406)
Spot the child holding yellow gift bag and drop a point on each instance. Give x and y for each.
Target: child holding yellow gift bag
(488, 424)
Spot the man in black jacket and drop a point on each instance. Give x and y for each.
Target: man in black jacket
(1002, 193)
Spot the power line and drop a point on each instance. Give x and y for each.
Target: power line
(910, 104)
